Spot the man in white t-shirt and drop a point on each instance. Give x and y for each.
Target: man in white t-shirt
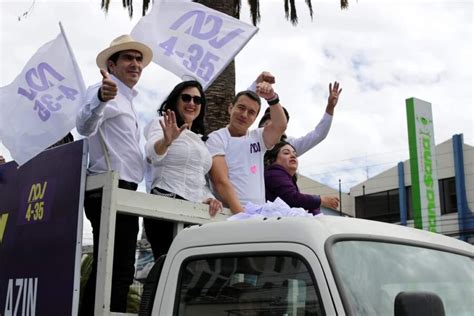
(237, 153)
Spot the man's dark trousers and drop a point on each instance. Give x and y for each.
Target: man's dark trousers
(126, 231)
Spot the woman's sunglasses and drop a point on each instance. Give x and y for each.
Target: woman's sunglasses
(187, 98)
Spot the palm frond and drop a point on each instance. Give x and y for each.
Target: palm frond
(310, 6)
(293, 14)
(130, 8)
(104, 4)
(254, 11)
(237, 6)
(146, 5)
(344, 4)
(290, 8)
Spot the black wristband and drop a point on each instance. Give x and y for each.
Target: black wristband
(98, 95)
(274, 101)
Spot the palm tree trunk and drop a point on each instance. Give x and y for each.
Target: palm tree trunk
(221, 92)
(219, 95)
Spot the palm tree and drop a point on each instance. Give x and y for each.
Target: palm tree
(221, 92)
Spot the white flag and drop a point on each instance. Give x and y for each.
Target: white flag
(39, 107)
(192, 40)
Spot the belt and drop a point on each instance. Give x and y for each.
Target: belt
(161, 192)
(165, 193)
(127, 185)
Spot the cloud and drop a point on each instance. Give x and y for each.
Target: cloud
(381, 54)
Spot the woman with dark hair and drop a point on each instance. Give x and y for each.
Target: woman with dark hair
(280, 180)
(178, 156)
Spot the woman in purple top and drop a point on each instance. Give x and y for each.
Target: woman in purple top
(280, 180)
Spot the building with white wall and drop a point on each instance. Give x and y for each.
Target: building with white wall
(310, 186)
(387, 196)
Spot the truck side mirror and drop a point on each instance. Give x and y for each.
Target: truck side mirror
(418, 303)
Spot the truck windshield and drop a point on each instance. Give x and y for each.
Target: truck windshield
(371, 274)
(255, 285)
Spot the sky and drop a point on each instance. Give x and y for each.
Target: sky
(381, 52)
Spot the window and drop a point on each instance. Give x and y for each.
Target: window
(409, 203)
(385, 206)
(447, 196)
(371, 274)
(253, 285)
(381, 206)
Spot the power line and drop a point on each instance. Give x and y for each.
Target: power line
(394, 162)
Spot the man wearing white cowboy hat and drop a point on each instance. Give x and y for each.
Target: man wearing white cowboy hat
(109, 119)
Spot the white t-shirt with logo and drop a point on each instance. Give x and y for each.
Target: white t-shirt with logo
(244, 158)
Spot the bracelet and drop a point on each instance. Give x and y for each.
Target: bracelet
(274, 100)
(99, 95)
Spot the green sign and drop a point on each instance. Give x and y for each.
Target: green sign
(424, 179)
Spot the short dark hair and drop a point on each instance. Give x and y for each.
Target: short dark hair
(266, 116)
(249, 93)
(171, 103)
(113, 58)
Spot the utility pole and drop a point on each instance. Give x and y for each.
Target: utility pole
(340, 199)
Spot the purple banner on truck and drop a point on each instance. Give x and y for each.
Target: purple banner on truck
(40, 232)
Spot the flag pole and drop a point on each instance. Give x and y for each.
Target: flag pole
(73, 59)
(79, 78)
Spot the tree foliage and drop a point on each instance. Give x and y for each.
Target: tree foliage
(289, 6)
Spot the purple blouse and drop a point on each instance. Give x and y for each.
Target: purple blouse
(279, 183)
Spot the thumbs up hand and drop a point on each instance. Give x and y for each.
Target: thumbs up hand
(108, 90)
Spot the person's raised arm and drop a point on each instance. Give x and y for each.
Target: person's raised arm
(264, 76)
(171, 131)
(91, 113)
(273, 131)
(108, 89)
(219, 175)
(334, 93)
(318, 134)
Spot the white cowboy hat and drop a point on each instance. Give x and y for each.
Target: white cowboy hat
(124, 42)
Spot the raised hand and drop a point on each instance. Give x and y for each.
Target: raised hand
(171, 131)
(108, 90)
(334, 93)
(265, 76)
(330, 202)
(265, 90)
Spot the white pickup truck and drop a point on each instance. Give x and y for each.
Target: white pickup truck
(327, 265)
(311, 266)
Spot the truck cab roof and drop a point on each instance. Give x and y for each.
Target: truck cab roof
(313, 232)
